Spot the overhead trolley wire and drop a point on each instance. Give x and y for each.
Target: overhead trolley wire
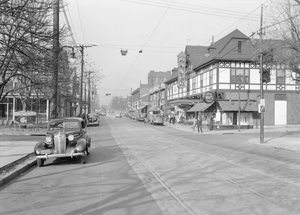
(68, 24)
(80, 19)
(196, 9)
(145, 44)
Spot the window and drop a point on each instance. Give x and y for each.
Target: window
(194, 83)
(239, 76)
(239, 46)
(280, 77)
(210, 77)
(201, 80)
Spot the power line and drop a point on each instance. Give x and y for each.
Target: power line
(158, 24)
(146, 43)
(194, 9)
(68, 24)
(70, 17)
(82, 29)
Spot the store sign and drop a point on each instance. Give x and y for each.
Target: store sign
(209, 97)
(181, 60)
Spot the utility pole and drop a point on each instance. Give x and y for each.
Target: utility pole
(81, 78)
(82, 47)
(89, 93)
(55, 57)
(262, 102)
(239, 97)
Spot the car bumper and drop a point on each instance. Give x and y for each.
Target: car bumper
(47, 156)
(92, 123)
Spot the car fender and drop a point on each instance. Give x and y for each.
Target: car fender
(40, 146)
(81, 142)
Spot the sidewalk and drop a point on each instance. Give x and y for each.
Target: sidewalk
(16, 156)
(284, 141)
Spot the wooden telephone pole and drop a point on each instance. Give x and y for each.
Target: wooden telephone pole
(55, 56)
(262, 101)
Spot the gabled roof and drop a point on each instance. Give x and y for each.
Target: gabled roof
(227, 49)
(173, 77)
(195, 54)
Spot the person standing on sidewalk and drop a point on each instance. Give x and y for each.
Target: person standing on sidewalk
(199, 123)
(194, 120)
(181, 119)
(211, 123)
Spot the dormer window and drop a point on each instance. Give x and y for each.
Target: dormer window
(239, 46)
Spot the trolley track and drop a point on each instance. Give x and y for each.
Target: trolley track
(166, 139)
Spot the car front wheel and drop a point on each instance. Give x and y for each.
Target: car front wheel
(83, 159)
(40, 162)
(87, 150)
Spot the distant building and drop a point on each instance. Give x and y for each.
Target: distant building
(156, 78)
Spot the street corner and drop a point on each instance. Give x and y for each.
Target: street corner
(290, 144)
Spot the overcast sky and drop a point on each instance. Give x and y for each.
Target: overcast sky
(160, 28)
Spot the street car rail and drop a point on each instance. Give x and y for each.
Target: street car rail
(240, 185)
(126, 149)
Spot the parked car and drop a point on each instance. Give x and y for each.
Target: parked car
(93, 119)
(155, 117)
(118, 115)
(65, 137)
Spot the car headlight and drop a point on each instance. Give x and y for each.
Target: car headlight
(71, 137)
(49, 139)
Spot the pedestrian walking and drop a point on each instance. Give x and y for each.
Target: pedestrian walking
(181, 119)
(211, 123)
(199, 124)
(173, 119)
(194, 123)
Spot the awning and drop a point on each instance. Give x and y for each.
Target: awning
(142, 107)
(200, 107)
(234, 106)
(153, 108)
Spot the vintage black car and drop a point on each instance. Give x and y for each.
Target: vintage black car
(65, 137)
(93, 119)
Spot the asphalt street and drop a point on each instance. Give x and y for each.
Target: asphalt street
(137, 168)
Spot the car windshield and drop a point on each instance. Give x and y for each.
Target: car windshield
(64, 125)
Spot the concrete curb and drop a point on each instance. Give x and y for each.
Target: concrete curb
(24, 134)
(16, 168)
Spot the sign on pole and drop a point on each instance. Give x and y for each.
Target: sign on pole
(181, 60)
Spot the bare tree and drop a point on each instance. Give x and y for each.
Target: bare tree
(285, 33)
(25, 46)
